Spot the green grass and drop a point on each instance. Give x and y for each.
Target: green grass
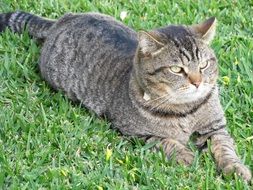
(46, 142)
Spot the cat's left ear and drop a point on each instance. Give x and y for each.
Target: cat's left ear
(206, 29)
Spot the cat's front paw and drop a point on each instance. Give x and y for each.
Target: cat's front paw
(239, 169)
(185, 157)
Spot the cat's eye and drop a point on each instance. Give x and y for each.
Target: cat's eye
(176, 69)
(204, 65)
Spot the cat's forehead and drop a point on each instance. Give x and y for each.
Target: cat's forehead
(175, 31)
(183, 41)
(180, 36)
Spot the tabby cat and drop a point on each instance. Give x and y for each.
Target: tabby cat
(158, 85)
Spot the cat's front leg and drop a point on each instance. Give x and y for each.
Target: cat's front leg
(174, 149)
(222, 147)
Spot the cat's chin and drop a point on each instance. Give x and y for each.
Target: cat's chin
(192, 94)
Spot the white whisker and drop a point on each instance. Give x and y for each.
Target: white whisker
(165, 100)
(150, 101)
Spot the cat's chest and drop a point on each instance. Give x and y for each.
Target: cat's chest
(180, 128)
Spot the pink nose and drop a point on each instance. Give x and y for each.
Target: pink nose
(195, 79)
(196, 83)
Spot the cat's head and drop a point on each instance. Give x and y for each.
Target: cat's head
(176, 62)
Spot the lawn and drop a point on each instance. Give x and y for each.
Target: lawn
(47, 142)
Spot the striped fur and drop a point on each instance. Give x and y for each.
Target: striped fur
(111, 70)
(19, 21)
(173, 149)
(224, 153)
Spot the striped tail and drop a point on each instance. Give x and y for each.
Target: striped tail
(36, 26)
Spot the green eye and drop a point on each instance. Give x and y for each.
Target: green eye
(176, 69)
(204, 65)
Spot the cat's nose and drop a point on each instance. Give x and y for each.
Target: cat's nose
(195, 79)
(197, 83)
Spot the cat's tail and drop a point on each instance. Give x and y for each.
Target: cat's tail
(36, 26)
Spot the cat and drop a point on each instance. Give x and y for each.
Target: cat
(158, 85)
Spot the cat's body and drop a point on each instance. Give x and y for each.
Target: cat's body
(109, 68)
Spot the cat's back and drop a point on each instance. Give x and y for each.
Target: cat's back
(87, 56)
(90, 31)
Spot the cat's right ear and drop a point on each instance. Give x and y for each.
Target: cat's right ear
(206, 29)
(149, 43)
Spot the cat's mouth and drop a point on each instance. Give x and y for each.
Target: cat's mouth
(190, 94)
(187, 95)
(171, 103)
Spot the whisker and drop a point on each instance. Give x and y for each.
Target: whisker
(150, 101)
(165, 100)
(182, 89)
